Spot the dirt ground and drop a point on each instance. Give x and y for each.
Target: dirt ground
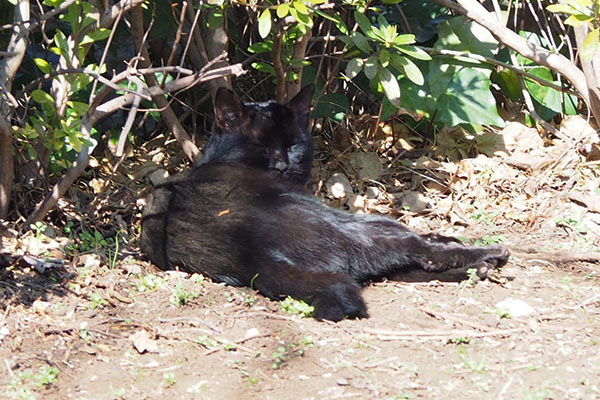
(102, 327)
(89, 332)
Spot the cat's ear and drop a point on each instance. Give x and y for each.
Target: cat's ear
(300, 105)
(229, 111)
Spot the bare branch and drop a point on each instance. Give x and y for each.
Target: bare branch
(169, 117)
(113, 12)
(130, 117)
(16, 45)
(6, 166)
(278, 65)
(8, 68)
(173, 86)
(293, 87)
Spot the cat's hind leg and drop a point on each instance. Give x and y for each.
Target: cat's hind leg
(440, 254)
(334, 296)
(392, 247)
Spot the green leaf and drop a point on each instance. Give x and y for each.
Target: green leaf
(42, 65)
(578, 20)
(300, 7)
(335, 18)
(61, 41)
(384, 57)
(404, 39)
(331, 105)
(354, 67)
(468, 99)
(411, 70)
(590, 45)
(215, 18)
(264, 67)
(415, 52)
(75, 141)
(264, 23)
(390, 86)
(42, 97)
(78, 108)
(361, 42)
(583, 6)
(303, 19)
(371, 67)
(549, 102)
(508, 80)
(261, 47)
(99, 34)
(461, 34)
(364, 24)
(564, 8)
(282, 10)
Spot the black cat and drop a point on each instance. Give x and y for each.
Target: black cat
(240, 217)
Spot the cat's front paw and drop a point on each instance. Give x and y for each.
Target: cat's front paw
(340, 301)
(494, 257)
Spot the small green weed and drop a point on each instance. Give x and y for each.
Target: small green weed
(228, 346)
(206, 341)
(241, 297)
(252, 379)
(568, 284)
(47, 376)
(282, 353)
(97, 301)
(20, 387)
(403, 396)
(460, 340)
(572, 223)
(279, 356)
(112, 256)
(91, 242)
(85, 335)
(170, 378)
(484, 217)
(68, 228)
(182, 296)
(39, 228)
(149, 282)
(537, 394)
(119, 393)
(297, 307)
(470, 362)
(487, 240)
(472, 278)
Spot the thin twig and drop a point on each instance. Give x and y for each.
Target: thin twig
(130, 116)
(386, 335)
(177, 40)
(517, 69)
(444, 316)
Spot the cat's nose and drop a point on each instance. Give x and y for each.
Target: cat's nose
(280, 166)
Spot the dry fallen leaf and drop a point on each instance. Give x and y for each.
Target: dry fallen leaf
(143, 343)
(338, 186)
(368, 165)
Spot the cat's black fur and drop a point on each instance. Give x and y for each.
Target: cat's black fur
(241, 218)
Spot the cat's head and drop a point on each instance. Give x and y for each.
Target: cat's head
(268, 135)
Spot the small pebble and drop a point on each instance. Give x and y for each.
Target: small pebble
(342, 382)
